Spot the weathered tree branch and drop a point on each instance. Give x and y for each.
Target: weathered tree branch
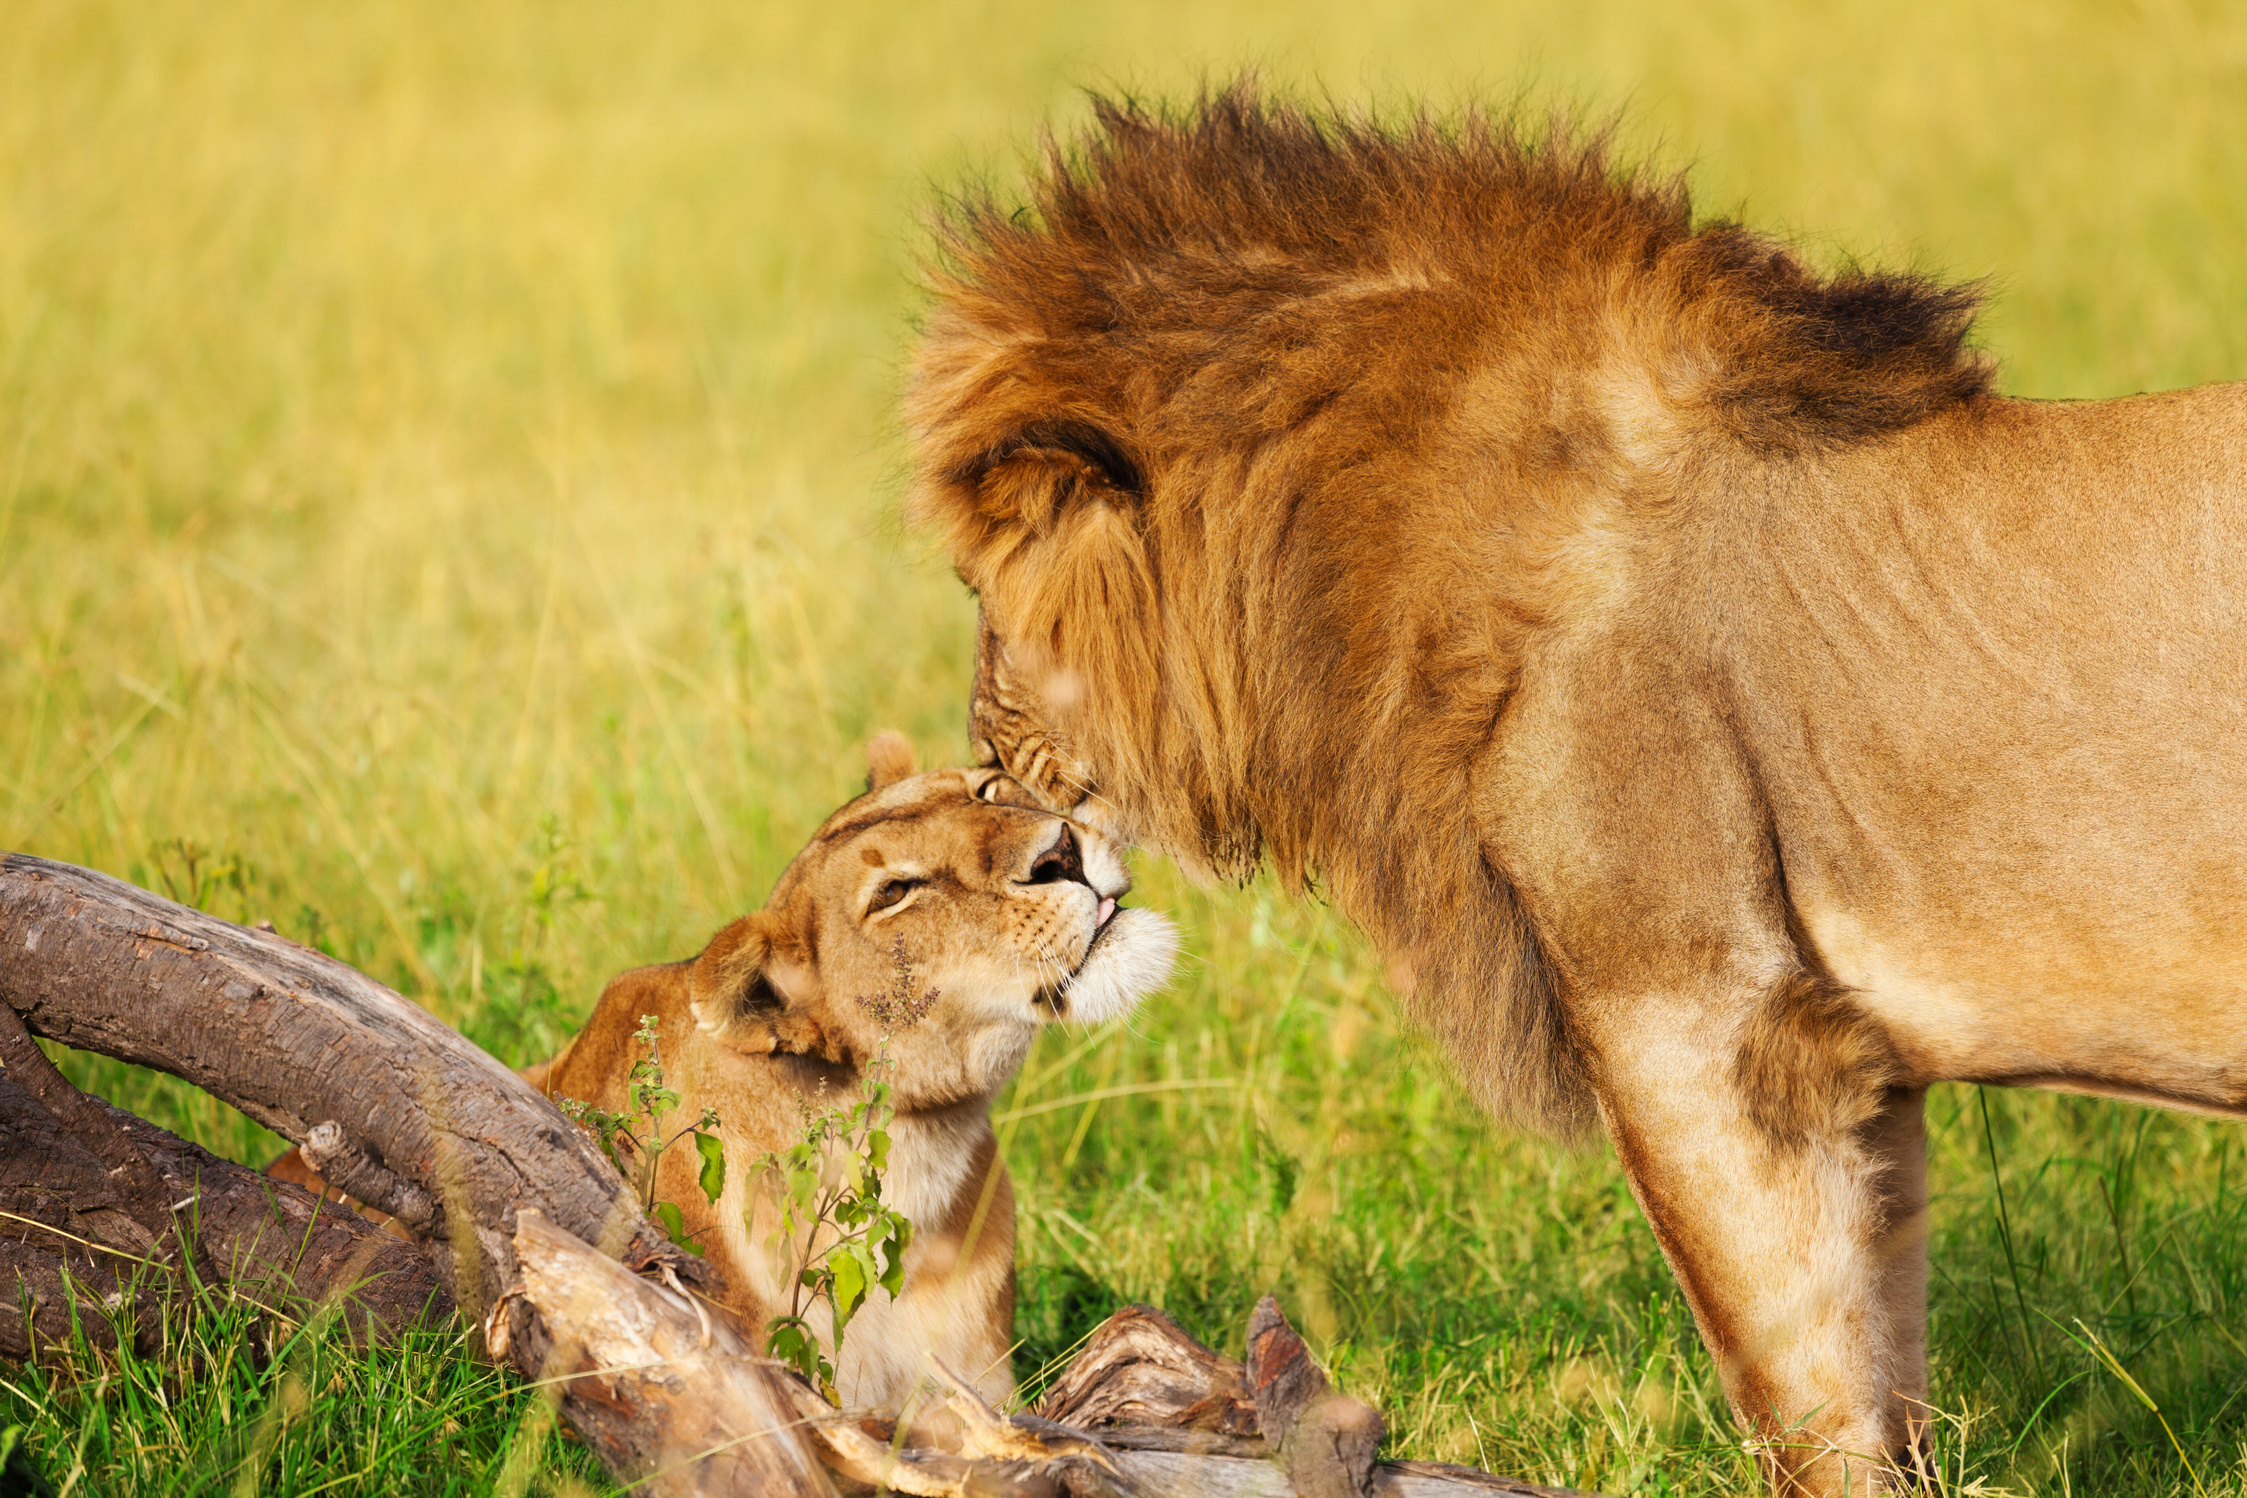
(656, 1378)
(296, 1039)
(67, 1213)
(667, 1390)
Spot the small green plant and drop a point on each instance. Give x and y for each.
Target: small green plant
(836, 1235)
(633, 1138)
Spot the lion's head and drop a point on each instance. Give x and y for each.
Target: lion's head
(947, 910)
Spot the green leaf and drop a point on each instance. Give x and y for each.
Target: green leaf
(712, 1149)
(674, 1224)
(791, 1343)
(893, 1253)
(850, 1282)
(849, 1288)
(877, 1151)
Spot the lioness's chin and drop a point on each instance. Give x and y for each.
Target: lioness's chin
(1131, 957)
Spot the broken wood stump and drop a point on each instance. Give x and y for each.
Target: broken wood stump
(1183, 1420)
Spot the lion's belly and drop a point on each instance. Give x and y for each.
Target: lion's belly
(2163, 1020)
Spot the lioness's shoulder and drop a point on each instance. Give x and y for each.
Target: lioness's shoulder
(604, 1049)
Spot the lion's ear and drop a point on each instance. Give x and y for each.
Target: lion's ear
(889, 759)
(733, 996)
(727, 988)
(1047, 466)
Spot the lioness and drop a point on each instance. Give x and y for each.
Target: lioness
(1008, 918)
(1009, 914)
(1727, 715)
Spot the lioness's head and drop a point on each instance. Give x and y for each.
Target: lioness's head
(947, 910)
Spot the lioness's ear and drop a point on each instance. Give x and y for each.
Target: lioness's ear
(889, 759)
(733, 997)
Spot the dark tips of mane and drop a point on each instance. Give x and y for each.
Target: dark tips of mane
(1157, 232)
(1846, 357)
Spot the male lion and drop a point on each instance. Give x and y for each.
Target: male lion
(1725, 713)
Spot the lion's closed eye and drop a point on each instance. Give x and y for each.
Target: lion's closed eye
(892, 894)
(1005, 790)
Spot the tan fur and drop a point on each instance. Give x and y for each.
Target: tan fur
(1726, 716)
(1011, 921)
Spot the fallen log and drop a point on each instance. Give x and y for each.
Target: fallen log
(72, 1233)
(296, 1039)
(428, 1129)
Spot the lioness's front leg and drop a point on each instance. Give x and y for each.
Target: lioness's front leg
(1800, 1240)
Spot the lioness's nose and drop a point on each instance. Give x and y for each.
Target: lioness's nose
(1063, 860)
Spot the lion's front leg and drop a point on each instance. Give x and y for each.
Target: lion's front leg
(1793, 1209)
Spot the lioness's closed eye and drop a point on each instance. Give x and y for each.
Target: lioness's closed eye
(1010, 915)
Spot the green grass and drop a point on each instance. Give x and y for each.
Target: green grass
(239, 1406)
(447, 467)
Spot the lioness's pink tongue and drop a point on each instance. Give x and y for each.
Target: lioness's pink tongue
(1107, 909)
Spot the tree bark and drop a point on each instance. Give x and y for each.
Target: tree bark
(63, 1212)
(668, 1391)
(296, 1039)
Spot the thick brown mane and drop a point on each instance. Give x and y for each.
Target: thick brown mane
(1182, 419)
(1208, 217)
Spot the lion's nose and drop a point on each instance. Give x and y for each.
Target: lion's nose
(1063, 860)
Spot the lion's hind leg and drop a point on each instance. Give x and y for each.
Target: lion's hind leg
(1796, 1223)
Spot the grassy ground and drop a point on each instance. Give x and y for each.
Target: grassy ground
(446, 466)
